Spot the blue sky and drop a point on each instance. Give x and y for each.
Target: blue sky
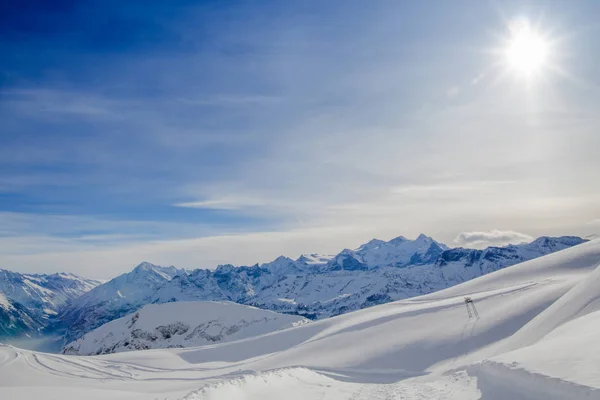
(195, 133)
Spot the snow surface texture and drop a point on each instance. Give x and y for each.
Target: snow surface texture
(313, 286)
(29, 302)
(181, 324)
(536, 338)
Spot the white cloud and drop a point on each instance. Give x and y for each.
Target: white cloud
(25, 234)
(232, 100)
(453, 91)
(226, 203)
(494, 237)
(346, 154)
(477, 79)
(47, 102)
(220, 204)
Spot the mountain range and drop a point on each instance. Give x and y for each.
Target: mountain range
(534, 336)
(313, 286)
(29, 303)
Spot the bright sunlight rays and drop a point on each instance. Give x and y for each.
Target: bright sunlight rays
(527, 51)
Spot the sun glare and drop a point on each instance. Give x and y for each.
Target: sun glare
(527, 51)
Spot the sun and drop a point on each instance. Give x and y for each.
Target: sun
(527, 51)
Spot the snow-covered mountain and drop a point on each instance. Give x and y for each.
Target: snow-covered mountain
(116, 298)
(398, 252)
(181, 324)
(16, 319)
(30, 301)
(536, 338)
(311, 286)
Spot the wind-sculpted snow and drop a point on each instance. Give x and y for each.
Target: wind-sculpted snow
(181, 324)
(313, 286)
(425, 347)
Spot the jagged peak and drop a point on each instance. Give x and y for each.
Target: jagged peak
(424, 237)
(304, 258)
(281, 265)
(150, 271)
(373, 243)
(346, 252)
(398, 239)
(224, 268)
(314, 259)
(145, 266)
(281, 259)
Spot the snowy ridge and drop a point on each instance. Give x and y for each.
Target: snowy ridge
(423, 347)
(398, 252)
(115, 298)
(15, 318)
(181, 324)
(31, 301)
(349, 281)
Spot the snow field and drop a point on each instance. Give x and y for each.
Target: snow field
(536, 339)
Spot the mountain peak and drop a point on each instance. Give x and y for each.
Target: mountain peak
(399, 239)
(371, 244)
(346, 252)
(224, 268)
(153, 272)
(314, 259)
(564, 240)
(145, 266)
(281, 259)
(282, 265)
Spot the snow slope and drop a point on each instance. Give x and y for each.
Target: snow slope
(536, 338)
(181, 324)
(313, 286)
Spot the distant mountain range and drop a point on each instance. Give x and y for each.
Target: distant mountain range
(313, 286)
(29, 303)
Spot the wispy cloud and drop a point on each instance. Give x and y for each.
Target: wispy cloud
(315, 127)
(478, 79)
(226, 203)
(99, 231)
(456, 188)
(453, 91)
(494, 237)
(52, 103)
(232, 100)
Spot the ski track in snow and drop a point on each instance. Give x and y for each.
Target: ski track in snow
(536, 339)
